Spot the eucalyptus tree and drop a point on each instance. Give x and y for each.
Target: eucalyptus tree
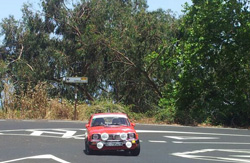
(110, 41)
(117, 44)
(26, 50)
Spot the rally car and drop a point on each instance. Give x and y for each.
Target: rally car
(111, 131)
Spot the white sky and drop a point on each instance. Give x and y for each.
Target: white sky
(13, 7)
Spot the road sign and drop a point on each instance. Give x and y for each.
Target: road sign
(75, 79)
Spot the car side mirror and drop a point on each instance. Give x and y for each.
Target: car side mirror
(133, 124)
(87, 125)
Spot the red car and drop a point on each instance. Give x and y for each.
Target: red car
(111, 131)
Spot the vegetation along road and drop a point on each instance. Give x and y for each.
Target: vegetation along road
(190, 69)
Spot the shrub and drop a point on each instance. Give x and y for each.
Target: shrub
(105, 106)
(167, 111)
(34, 102)
(2, 115)
(59, 109)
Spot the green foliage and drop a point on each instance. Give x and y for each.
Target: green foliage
(167, 104)
(107, 41)
(192, 69)
(214, 78)
(104, 106)
(3, 68)
(167, 113)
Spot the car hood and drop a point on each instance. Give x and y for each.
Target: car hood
(111, 129)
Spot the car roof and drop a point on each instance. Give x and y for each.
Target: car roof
(110, 115)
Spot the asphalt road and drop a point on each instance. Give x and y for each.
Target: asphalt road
(63, 142)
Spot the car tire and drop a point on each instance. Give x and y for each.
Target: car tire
(88, 151)
(136, 151)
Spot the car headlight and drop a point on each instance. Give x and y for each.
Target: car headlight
(123, 136)
(128, 144)
(95, 136)
(131, 136)
(99, 145)
(104, 136)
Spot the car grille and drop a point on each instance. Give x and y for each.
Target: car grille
(114, 137)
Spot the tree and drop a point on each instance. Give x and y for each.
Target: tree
(114, 43)
(214, 80)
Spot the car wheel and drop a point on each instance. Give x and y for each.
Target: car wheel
(136, 151)
(88, 151)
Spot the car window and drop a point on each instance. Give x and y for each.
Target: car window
(119, 121)
(116, 120)
(98, 122)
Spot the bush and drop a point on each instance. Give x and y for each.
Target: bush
(59, 109)
(167, 111)
(106, 106)
(2, 115)
(34, 103)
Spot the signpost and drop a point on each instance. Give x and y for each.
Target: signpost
(75, 80)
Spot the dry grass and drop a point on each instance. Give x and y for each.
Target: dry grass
(35, 103)
(63, 109)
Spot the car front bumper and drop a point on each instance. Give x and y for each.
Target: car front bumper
(93, 145)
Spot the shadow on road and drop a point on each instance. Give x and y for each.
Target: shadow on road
(110, 153)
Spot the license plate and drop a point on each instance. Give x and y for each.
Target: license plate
(113, 144)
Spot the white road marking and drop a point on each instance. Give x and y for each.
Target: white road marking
(69, 134)
(157, 141)
(68, 129)
(64, 133)
(44, 136)
(38, 157)
(199, 127)
(36, 133)
(191, 133)
(139, 131)
(189, 137)
(197, 155)
(65, 121)
(242, 156)
(215, 143)
(2, 120)
(53, 133)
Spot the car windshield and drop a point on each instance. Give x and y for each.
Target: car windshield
(109, 121)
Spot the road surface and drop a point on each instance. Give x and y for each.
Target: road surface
(63, 142)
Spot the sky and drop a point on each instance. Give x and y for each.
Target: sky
(175, 5)
(13, 7)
